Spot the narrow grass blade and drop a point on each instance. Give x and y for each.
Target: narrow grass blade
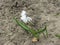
(41, 30)
(22, 25)
(57, 35)
(46, 31)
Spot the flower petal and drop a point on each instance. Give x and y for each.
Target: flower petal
(23, 13)
(29, 19)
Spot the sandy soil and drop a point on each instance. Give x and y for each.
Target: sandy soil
(41, 11)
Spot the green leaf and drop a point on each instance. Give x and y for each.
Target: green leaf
(57, 35)
(42, 31)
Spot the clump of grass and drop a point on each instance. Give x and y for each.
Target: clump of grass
(35, 33)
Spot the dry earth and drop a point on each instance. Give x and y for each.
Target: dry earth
(41, 11)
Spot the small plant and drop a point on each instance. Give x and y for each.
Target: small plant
(35, 33)
(32, 31)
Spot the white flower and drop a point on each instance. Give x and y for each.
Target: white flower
(23, 13)
(24, 17)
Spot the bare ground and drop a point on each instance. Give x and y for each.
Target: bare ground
(41, 11)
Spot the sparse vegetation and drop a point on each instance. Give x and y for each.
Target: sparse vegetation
(35, 33)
